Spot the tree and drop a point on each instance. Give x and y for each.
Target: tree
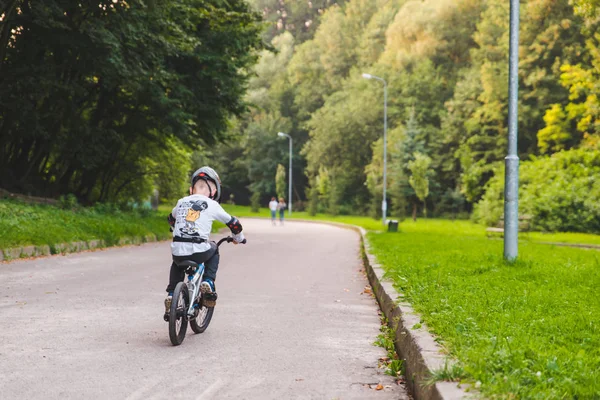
(264, 150)
(90, 91)
(300, 18)
(313, 197)
(588, 8)
(556, 135)
(280, 182)
(340, 134)
(419, 180)
(321, 64)
(404, 143)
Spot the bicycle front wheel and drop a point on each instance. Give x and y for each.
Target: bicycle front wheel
(178, 314)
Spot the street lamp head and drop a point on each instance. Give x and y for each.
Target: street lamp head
(281, 134)
(367, 76)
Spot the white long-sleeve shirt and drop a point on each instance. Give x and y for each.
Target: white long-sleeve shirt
(273, 205)
(194, 216)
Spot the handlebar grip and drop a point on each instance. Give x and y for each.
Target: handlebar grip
(229, 239)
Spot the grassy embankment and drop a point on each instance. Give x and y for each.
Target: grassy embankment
(23, 224)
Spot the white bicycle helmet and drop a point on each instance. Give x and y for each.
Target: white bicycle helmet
(207, 173)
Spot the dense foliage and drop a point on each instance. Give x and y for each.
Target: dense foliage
(559, 193)
(446, 65)
(106, 98)
(301, 18)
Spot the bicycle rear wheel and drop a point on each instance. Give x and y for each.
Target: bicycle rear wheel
(200, 323)
(178, 314)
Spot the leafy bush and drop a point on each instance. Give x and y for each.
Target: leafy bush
(68, 202)
(560, 192)
(300, 205)
(255, 201)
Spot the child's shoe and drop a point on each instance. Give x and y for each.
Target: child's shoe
(209, 295)
(168, 301)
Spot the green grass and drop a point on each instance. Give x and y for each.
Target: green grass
(563, 237)
(24, 224)
(529, 329)
(394, 366)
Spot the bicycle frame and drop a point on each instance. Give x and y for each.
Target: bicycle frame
(194, 287)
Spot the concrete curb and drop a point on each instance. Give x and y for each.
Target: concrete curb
(418, 348)
(421, 354)
(72, 247)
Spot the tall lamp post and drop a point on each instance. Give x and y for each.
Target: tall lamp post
(384, 202)
(281, 134)
(511, 177)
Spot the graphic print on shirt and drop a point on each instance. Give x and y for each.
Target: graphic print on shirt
(192, 216)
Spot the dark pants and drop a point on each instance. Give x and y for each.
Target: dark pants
(210, 258)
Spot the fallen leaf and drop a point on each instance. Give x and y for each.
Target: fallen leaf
(379, 387)
(367, 290)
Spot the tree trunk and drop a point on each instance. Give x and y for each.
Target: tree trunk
(64, 181)
(39, 151)
(425, 209)
(22, 161)
(414, 212)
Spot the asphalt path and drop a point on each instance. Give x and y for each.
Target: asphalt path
(292, 321)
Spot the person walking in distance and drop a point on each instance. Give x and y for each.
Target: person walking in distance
(273, 207)
(281, 206)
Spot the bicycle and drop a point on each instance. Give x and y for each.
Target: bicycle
(182, 309)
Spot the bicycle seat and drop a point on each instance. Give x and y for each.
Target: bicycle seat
(186, 264)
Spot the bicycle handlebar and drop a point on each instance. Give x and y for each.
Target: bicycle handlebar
(228, 239)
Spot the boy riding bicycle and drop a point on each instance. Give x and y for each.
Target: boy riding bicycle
(192, 220)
